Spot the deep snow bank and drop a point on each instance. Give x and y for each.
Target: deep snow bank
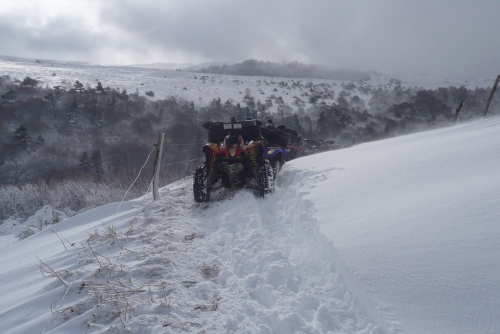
(417, 219)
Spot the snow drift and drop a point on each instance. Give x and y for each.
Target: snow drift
(396, 236)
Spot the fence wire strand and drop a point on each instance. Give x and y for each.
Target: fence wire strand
(179, 162)
(154, 146)
(168, 164)
(147, 191)
(168, 144)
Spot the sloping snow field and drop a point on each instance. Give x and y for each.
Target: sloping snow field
(166, 81)
(416, 219)
(394, 236)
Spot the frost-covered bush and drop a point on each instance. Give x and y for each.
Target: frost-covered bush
(68, 195)
(42, 219)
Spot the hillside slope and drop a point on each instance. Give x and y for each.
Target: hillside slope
(238, 265)
(416, 219)
(395, 236)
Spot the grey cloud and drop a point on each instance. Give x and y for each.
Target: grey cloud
(59, 38)
(446, 37)
(209, 29)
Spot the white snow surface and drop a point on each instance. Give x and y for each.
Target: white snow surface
(395, 236)
(416, 219)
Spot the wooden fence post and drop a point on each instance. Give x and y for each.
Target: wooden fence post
(459, 109)
(156, 178)
(485, 112)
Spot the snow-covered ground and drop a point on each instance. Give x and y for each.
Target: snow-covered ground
(166, 81)
(416, 218)
(394, 236)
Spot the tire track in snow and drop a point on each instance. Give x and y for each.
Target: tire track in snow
(236, 265)
(277, 273)
(301, 212)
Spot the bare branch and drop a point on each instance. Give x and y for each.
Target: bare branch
(164, 293)
(52, 273)
(96, 296)
(95, 255)
(59, 238)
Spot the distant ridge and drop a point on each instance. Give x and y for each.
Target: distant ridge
(252, 67)
(201, 66)
(163, 66)
(43, 60)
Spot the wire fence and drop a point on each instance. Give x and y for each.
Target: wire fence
(195, 144)
(180, 162)
(163, 169)
(147, 159)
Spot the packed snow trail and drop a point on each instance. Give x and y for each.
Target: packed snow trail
(239, 264)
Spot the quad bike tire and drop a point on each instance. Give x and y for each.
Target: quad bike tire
(276, 166)
(200, 190)
(266, 178)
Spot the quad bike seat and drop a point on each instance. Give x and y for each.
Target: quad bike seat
(275, 137)
(295, 138)
(217, 131)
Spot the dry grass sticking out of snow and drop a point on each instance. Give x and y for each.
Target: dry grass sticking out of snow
(236, 265)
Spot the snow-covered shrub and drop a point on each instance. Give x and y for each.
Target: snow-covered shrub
(41, 220)
(68, 195)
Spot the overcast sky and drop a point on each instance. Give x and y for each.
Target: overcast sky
(452, 37)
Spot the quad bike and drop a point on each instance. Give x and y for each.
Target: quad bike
(276, 147)
(234, 158)
(330, 145)
(295, 147)
(289, 140)
(277, 157)
(313, 146)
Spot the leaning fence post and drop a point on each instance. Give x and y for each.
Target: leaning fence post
(459, 109)
(156, 178)
(485, 112)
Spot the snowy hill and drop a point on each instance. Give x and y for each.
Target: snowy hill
(166, 80)
(394, 236)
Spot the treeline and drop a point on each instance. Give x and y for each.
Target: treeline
(51, 133)
(100, 137)
(295, 69)
(391, 110)
(90, 134)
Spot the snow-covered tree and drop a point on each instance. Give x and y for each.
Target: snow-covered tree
(78, 86)
(74, 105)
(99, 87)
(9, 96)
(29, 82)
(51, 99)
(96, 163)
(40, 140)
(322, 124)
(22, 137)
(296, 124)
(84, 163)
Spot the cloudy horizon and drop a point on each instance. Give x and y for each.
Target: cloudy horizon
(440, 37)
